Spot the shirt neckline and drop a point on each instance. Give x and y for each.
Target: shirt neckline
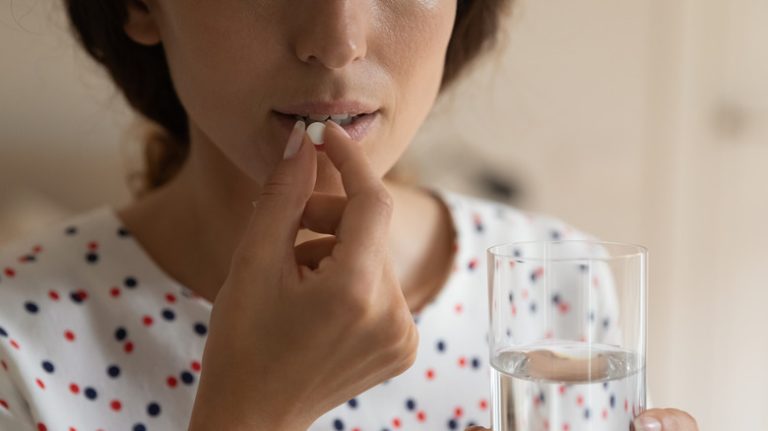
(445, 197)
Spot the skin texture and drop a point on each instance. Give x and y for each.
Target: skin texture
(232, 63)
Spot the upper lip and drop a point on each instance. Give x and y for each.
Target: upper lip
(352, 107)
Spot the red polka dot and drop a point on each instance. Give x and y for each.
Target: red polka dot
(595, 282)
(5, 366)
(69, 335)
(538, 272)
(14, 344)
(4, 404)
(115, 292)
(458, 308)
(116, 405)
(170, 297)
(93, 245)
(356, 429)
(72, 429)
(10, 272)
(562, 389)
(566, 427)
(514, 310)
(511, 263)
(81, 294)
(74, 388)
(430, 374)
(457, 412)
(41, 426)
(172, 381)
(37, 249)
(40, 383)
(421, 416)
(462, 361)
(473, 263)
(626, 405)
(525, 294)
(128, 347)
(483, 404)
(396, 423)
(564, 307)
(195, 366)
(580, 400)
(147, 320)
(54, 295)
(605, 413)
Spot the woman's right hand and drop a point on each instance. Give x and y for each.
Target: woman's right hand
(296, 331)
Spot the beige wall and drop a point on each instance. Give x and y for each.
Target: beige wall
(599, 110)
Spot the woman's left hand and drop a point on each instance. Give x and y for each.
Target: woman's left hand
(652, 420)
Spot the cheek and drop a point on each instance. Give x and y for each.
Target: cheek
(415, 55)
(215, 63)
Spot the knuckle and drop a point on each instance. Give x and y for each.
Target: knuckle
(381, 198)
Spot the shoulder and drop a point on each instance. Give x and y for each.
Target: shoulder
(50, 257)
(483, 222)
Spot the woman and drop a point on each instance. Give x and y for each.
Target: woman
(268, 277)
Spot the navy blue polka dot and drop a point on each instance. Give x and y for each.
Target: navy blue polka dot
(475, 362)
(2, 332)
(452, 424)
(441, 346)
(338, 424)
(91, 257)
(542, 398)
(586, 413)
(613, 400)
(139, 427)
(533, 307)
(153, 409)
(123, 232)
(591, 316)
(168, 314)
(583, 267)
(113, 371)
(511, 297)
(187, 377)
(90, 393)
(130, 282)
(76, 297)
(606, 322)
(31, 307)
(556, 298)
(410, 404)
(352, 403)
(516, 253)
(200, 328)
(555, 235)
(48, 366)
(121, 333)
(71, 230)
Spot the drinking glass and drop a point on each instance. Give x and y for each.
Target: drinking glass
(567, 335)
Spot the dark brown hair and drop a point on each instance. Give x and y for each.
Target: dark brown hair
(142, 73)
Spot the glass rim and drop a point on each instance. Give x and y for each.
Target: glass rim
(639, 250)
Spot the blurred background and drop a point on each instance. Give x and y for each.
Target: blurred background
(639, 121)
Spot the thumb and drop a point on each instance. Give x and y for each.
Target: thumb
(272, 229)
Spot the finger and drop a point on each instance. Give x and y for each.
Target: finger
(311, 253)
(323, 212)
(364, 227)
(274, 223)
(665, 420)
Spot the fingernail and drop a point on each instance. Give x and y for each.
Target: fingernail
(295, 140)
(315, 132)
(336, 126)
(646, 423)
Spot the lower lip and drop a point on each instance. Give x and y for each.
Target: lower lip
(357, 129)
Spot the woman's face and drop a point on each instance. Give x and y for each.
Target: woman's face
(235, 64)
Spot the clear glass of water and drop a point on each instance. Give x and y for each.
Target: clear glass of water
(567, 335)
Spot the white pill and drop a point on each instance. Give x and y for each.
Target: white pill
(315, 132)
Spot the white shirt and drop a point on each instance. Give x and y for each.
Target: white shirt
(95, 336)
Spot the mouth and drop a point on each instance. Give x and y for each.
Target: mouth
(357, 125)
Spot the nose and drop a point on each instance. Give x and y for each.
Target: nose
(331, 33)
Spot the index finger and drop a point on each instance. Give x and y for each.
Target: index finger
(364, 226)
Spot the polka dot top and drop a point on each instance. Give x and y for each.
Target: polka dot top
(95, 336)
